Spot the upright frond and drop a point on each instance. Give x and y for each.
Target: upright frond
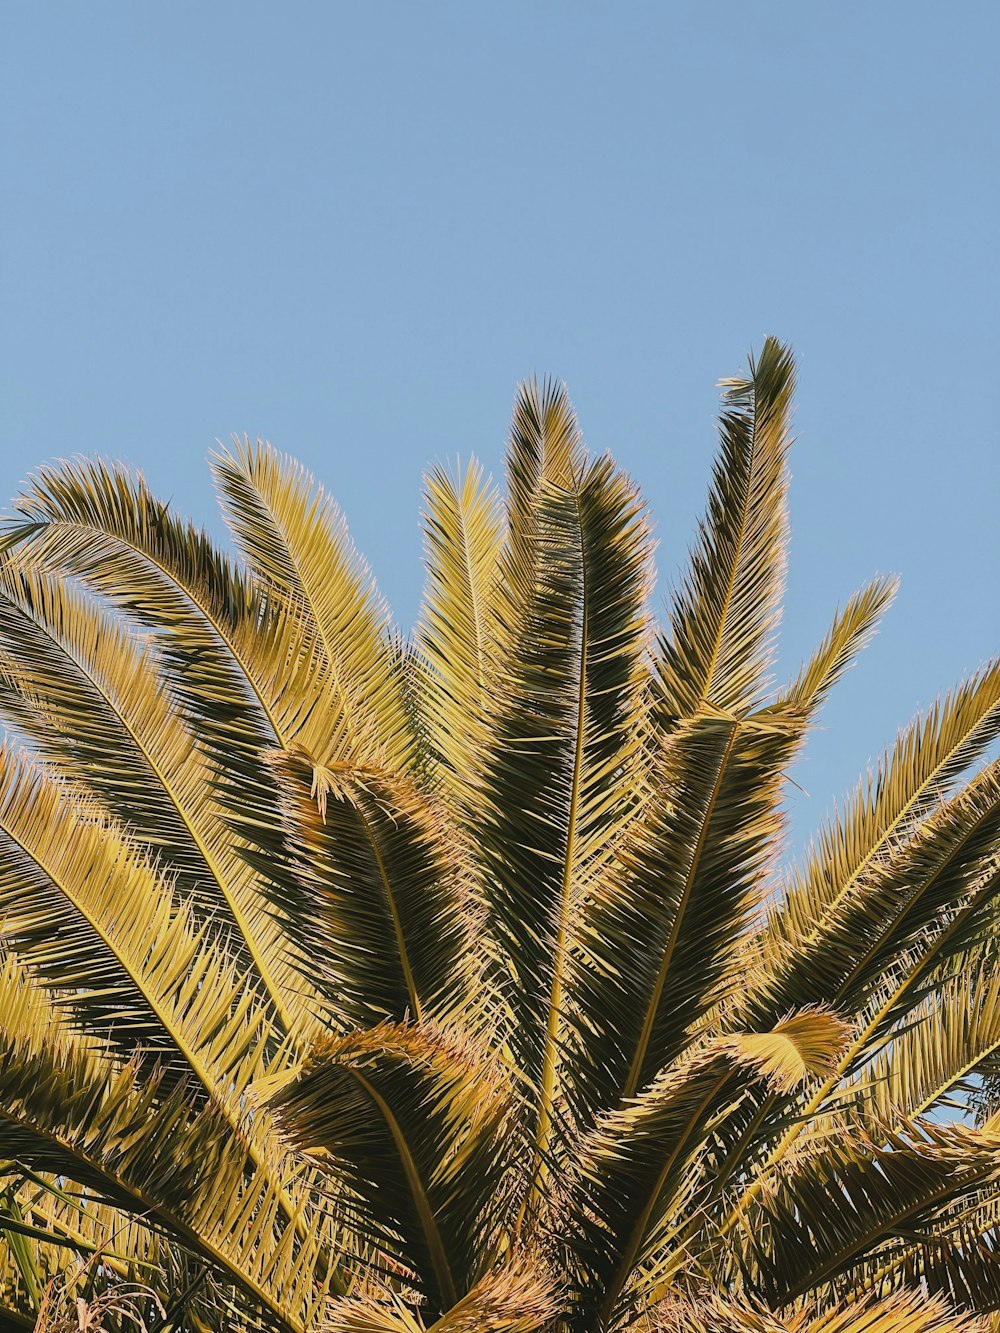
(456, 635)
(558, 773)
(720, 641)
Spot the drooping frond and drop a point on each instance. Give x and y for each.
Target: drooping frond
(832, 1208)
(70, 1109)
(903, 1312)
(943, 1048)
(296, 543)
(94, 704)
(630, 1167)
(377, 902)
(98, 922)
(424, 1130)
(720, 641)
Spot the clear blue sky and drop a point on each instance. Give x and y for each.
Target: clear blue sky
(351, 228)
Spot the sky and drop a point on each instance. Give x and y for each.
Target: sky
(351, 228)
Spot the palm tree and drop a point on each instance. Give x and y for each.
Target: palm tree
(375, 986)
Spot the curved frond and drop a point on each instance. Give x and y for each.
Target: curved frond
(377, 904)
(925, 762)
(833, 1207)
(296, 543)
(90, 697)
(631, 1166)
(425, 1130)
(70, 1109)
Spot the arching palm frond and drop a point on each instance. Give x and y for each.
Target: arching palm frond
(356, 986)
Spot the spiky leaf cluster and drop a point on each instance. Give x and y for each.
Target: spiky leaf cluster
(357, 985)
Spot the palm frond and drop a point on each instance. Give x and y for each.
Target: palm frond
(557, 778)
(832, 1208)
(424, 1128)
(725, 610)
(942, 1048)
(851, 630)
(377, 903)
(96, 920)
(72, 1110)
(658, 933)
(631, 1165)
(91, 698)
(457, 632)
(903, 1312)
(924, 764)
(296, 543)
(544, 446)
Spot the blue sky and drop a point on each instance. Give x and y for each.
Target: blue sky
(350, 228)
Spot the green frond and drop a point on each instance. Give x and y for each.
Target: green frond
(829, 1210)
(424, 1128)
(903, 1312)
(90, 697)
(237, 656)
(70, 1109)
(658, 934)
(557, 777)
(296, 543)
(630, 1171)
(956, 1259)
(851, 630)
(544, 446)
(941, 1050)
(722, 617)
(923, 766)
(95, 918)
(929, 903)
(377, 902)
(458, 627)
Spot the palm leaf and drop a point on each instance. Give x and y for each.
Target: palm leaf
(92, 701)
(457, 632)
(727, 606)
(70, 1109)
(903, 1312)
(851, 630)
(659, 932)
(925, 762)
(632, 1164)
(296, 543)
(423, 1127)
(558, 775)
(831, 1208)
(377, 900)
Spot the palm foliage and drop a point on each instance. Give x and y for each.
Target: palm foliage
(358, 985)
